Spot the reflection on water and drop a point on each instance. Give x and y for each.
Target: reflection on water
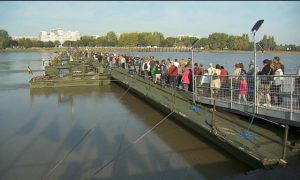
(52, 121)
(38, 127)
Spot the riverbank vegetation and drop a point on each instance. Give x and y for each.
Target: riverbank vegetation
(214, 42)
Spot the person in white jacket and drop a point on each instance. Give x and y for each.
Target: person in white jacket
(146, 69)
(210, 69)
(276, 99)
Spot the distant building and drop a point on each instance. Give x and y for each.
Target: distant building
(181, 36)
(95, 36)
(24, 37)
(59, 35)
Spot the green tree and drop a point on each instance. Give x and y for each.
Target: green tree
(25, 43)
(272, 43)
(48, 44)
(143, 39)
(217, 41)
(128, 39)
(101, 41)
(13, 43)
(203, 42)
(157, 38)
(112, 39)
(68, 44)
(85, 41)
(36, 43)
(265, 42)
(188, 41)
(245, 42)
(233, 43)
(180, 44)
(56, 43)
(269, 42)
(169, 42)
(4, 39)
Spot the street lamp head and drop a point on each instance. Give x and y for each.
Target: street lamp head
(194, 43)
(257, 25)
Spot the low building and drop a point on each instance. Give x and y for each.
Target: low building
(24, 37)
(187, 35)
(59, 35)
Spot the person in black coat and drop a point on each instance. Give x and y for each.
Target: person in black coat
(265, 80)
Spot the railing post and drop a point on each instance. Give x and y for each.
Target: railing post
(291, 99)
(255, 95)
(195, 87)
(286, 131)
(231, 93)
(211, 89)
(173, 97)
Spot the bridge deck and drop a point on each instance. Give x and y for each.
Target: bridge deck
(264, 142)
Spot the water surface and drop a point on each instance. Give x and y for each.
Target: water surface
(38, 128)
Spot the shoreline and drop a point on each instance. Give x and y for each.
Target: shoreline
(29, 50)
(151, 50)
(250, 52)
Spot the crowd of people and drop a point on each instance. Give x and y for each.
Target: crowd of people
(209, 81)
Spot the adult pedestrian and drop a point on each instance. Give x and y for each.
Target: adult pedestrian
(146, 69)
(264, 85)
(173, 73)
(276, 98)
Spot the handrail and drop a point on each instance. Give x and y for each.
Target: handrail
(284, 99)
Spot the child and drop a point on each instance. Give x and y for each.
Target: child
(185, 78)
(243, 89)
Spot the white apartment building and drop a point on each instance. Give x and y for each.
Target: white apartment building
(59, 35)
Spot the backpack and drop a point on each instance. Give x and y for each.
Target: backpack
(267, 78)
(215, 76)
(158, 69)
(146, 66)
(163, 70)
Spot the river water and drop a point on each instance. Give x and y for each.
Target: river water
(39, 128)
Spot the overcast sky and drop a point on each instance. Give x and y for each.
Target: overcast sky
(282, 19)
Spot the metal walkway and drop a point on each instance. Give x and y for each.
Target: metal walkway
(262, 144)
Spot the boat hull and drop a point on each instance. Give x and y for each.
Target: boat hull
(70, 82)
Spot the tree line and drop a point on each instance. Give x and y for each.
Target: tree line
(215, 41)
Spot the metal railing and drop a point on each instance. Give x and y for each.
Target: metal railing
(280, 93)
(276, 96)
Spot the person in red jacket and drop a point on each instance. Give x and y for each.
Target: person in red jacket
(173, 73)
(224, 81)
(186, 77)
(243, 89)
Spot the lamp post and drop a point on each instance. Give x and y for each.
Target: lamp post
(254, 30)
(193, 77)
